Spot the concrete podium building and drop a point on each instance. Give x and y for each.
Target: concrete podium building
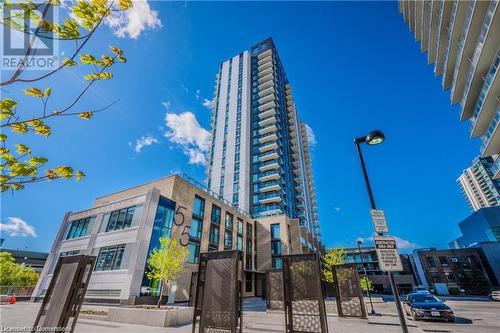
(260, 196)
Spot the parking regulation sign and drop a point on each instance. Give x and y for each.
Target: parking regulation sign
(379, 222)
(387, 254)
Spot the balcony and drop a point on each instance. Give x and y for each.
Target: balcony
(267, 121)
(268, 146)
(265, 85)
(269, 165)
(467, 44)
(267, 106)
(495, 168)
(268, 129)
(458, 12)
(268, 63)
(484, 109)
(269, 175)
(267, 98)
(269, 155)
(444, 21)
(267, 78)
(486, 49)
(491, 139)
(270, 186)
(264, 72)
(266, 91)
(269, 198)
(264, 54)
(267, 113)
(268, 137)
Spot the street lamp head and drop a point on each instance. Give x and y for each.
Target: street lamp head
(375, 137)
(359, 240)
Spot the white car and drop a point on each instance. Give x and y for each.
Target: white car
(495, 295)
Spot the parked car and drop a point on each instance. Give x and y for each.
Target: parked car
(421, 290)
(495, 295)
(426, 306)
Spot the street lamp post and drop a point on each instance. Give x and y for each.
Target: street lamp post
(373, 138)
(359, 241)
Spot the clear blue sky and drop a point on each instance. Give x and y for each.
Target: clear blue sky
(354, 66)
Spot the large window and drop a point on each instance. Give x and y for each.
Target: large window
(239, 235)
(213, 239)
(120, 219)
(276, 260)
(79, 228)
(196, 229)
(228, 232)
(110, 258)
(215, 215)
(248, 247)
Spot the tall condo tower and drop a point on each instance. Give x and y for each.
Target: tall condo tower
(259, 157)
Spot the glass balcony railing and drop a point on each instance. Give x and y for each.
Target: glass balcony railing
(271, 152)
(270, 195)
(263, 164)
(267, 144)
(479, 47)
(268, 173)
(454, 9)
(269, 184)
(486, 138)
(495, 168)
(461, 42)
(486, 86)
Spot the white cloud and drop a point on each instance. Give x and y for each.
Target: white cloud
(143, 141)
(134, 21)
(337, 209)
(401, 243)
(197, 95)
(207, 103)
(186, 131)
(167, 104)
(311, 138)
(17, 227)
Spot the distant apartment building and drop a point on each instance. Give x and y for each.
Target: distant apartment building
(259, 157)
(380, 279)
(462, 40)
(453, 271)
(123, 228)
(33, 259)
(478, 185)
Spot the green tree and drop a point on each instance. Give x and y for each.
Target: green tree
(335, 256)
(13, 274)
(19, 164)
(166, 263)
(366, 284)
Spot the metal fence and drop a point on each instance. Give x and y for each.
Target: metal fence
(218, 300)
(303, 294)
(348, 292)
(274, 291)
(192, 288)
(64, 297)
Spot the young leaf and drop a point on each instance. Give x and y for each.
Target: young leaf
(86, 115)
(79, 175)
(35, 92)
(19, 128)
(69, 62)
(125, 4)
(47, 92)
(23, 149)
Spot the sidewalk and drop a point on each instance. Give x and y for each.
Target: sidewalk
(23, 314)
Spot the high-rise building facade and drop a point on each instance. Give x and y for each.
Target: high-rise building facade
(478, 185)
(259, 157)
(462, 40)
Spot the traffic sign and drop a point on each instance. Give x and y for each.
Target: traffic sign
(378, 219)
(387, 254)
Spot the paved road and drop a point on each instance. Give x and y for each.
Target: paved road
(472, 316)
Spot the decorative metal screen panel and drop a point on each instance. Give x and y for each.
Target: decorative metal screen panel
(348, 291)
(218, 299)
(192, 288)
(274, 292)
(303, 294)
(65, 294)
